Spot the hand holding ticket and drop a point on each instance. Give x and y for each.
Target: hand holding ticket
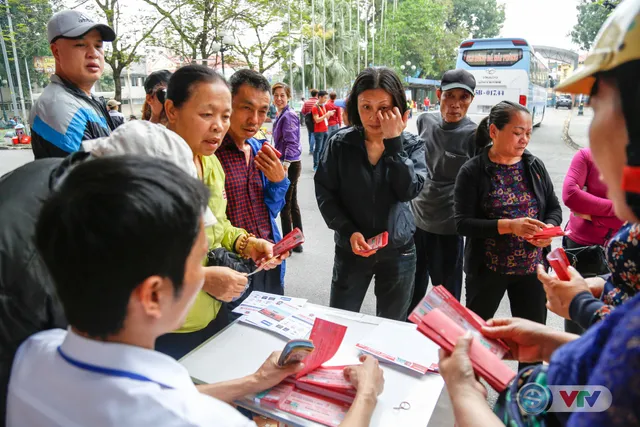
(560, 264)
(290, 241)
(549, 233)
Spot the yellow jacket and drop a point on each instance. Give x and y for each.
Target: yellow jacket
(222, 234)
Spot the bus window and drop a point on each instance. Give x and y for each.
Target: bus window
(492, 57)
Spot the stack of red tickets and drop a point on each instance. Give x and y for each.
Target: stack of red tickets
(442, 319)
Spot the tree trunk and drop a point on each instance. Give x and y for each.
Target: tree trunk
(117, 72)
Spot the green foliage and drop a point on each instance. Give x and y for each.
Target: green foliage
(417, 33)
(476, 19)
(29, 19)
(591, 16)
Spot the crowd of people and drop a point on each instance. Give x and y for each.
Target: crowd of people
(124, 246)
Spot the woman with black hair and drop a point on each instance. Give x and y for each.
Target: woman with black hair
(502, 198)
(155, 86)
(366, 176)
(198, 109)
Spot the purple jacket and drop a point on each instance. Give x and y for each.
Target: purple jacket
(583, 192)
(286, 135)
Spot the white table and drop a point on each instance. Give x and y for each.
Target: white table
(240, 349)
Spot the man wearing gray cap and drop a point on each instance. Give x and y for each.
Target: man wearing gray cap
(67, 113)
(449, 143)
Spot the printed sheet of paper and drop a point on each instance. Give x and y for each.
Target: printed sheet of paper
(402, 345)
(256, 301)
(327, 337)
(284, 319)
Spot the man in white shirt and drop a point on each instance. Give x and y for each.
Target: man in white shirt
(123, 238)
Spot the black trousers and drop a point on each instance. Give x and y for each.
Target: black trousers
(290, 217)
(438, 257)
(526, 296)
(394, 272)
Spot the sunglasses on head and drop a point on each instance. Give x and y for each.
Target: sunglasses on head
(161, 94)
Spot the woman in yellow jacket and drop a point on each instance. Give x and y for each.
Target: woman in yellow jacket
(198, 108)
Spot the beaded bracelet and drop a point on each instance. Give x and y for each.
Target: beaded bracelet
(242, 245)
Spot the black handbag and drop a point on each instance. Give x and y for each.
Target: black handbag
(589, 261)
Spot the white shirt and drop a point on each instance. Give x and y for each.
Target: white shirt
(46, 390)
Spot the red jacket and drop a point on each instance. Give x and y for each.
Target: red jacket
(336, 119)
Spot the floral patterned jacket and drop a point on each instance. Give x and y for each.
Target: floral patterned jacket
(623, 254)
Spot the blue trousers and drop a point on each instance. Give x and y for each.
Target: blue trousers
(320, 141)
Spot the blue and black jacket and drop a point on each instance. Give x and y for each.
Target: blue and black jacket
(63, 117)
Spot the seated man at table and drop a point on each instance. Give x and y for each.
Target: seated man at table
(123, 239)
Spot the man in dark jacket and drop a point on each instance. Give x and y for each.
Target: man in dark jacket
(448, 136)
(67, 113)
(116, 116)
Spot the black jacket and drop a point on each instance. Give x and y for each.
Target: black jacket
(472, 186)
(28, 302)
(354, 196)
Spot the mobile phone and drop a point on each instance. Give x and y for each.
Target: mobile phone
(560, 263)
(290, 241)
(295, 351)
(379, 241)
(278, 154)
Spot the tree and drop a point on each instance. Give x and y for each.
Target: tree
(195, 27)
(269, 44)
(417, 34)
(29, 19)
(591, 16)
(479, 19)
(133, 29)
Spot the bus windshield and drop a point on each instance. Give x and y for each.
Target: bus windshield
(492, 57)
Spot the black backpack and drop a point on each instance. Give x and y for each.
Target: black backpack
(309, 123)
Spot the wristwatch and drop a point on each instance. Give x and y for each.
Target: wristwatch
(286, 164)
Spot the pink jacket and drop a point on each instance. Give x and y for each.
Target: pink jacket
(583, 192)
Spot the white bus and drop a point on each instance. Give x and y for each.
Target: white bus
(505, 69)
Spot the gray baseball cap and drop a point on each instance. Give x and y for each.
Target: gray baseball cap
(72, 24)
(458, 79)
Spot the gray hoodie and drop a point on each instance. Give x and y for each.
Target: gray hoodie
(447, 146)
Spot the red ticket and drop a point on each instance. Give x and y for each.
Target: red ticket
(560, 263)
(288, 242)
(328, 377)
(443, 331)
(379, 241)
(313, 407)
(327, 337)
(549, 233)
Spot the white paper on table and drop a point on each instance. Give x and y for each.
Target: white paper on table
(284, 319)
(402, 345)
(256, 301)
